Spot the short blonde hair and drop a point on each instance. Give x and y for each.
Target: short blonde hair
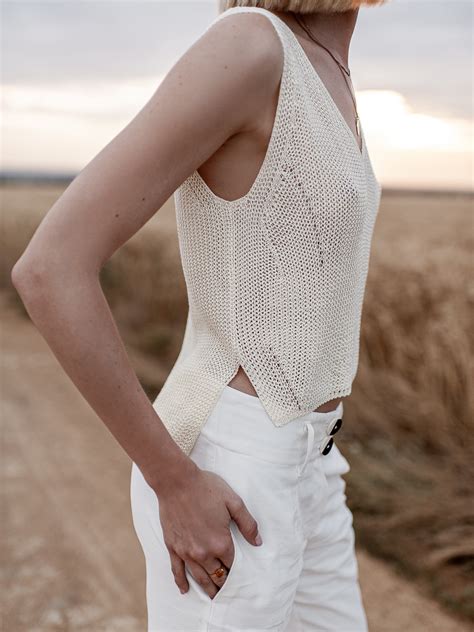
(299, 6)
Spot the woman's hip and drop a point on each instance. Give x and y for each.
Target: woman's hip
(279, 468)
(295, 493)
(240, 423)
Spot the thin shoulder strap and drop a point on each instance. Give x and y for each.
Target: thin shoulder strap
(284, 117)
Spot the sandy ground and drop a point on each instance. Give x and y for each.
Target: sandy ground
(72, 560)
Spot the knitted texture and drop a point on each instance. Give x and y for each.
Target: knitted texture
(276, 278)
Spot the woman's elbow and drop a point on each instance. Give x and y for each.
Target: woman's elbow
(31, 275)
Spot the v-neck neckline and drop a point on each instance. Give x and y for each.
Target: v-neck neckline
(329, 98)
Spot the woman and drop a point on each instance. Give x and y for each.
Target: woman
(236, 485)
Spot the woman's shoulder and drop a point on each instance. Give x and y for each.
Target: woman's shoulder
(252, 32)
(244, 50)
(249, 15)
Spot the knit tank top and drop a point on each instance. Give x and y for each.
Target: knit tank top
(275, 279)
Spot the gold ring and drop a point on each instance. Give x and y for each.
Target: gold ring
(219, 572)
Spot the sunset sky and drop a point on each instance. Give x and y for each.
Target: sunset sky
(75, 72)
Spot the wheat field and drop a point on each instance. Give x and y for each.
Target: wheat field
(409, 422)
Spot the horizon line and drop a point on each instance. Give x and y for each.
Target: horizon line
(48, 177)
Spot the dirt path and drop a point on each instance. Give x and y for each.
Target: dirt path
(72, 560)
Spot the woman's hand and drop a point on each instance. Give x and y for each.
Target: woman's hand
(195, 521)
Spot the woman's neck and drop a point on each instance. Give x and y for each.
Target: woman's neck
(334, 30)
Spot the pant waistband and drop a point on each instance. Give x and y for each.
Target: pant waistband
(239, 422)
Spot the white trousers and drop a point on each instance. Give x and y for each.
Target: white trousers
(304, 577)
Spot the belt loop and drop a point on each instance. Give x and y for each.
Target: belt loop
(309, 446)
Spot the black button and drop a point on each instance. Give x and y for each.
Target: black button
(336, 427)
(328, 447)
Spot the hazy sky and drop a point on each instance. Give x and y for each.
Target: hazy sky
(75, 72)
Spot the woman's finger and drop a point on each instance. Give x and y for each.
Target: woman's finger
(203, 578)
(225, 551)
(212, 566)
(177, 566)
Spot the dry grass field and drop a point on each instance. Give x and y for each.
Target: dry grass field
(409, 422)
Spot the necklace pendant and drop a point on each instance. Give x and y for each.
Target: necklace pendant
(357, 122)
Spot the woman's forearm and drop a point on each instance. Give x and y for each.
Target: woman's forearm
(72, 314)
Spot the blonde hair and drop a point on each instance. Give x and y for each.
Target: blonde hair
(299, 6)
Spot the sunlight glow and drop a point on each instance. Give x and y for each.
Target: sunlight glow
(61, 127)
(388, 115)
(415, 149)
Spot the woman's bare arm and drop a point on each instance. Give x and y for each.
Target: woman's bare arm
(191, 114)
(197, 107)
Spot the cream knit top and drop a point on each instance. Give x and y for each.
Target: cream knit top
(276, 278)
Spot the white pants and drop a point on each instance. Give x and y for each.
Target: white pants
(304, 577)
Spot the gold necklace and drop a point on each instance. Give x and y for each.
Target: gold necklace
(345, 71)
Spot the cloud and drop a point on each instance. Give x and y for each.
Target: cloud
(85, 99)
(396, 125)
(75, 73)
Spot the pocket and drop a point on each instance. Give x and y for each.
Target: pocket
(228, 589)
(203, 452)
(260, 588)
